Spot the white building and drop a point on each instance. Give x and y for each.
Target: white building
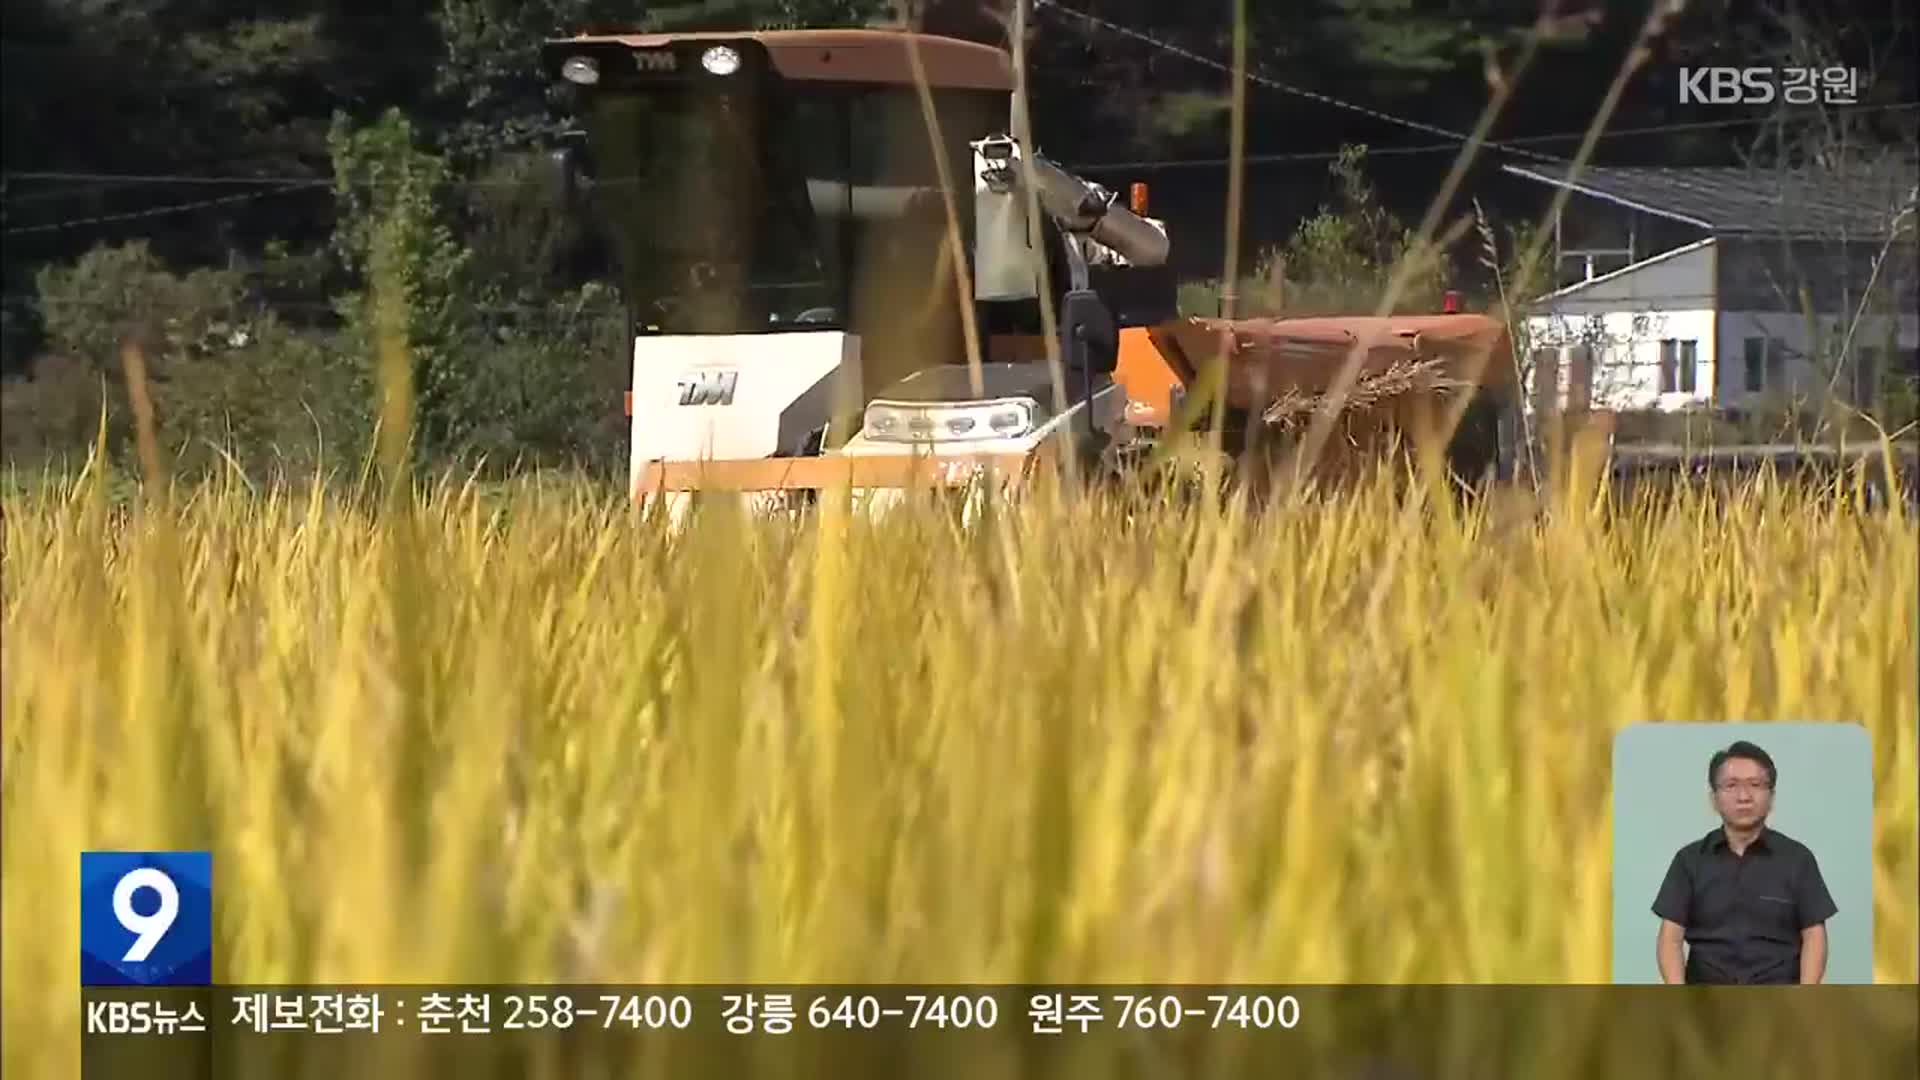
(1725, 289)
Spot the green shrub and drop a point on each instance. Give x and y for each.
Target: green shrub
(1337, 262)
(111, 294)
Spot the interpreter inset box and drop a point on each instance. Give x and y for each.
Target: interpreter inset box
(1742, 853)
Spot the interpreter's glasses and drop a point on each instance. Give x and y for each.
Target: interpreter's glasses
(1728, 787)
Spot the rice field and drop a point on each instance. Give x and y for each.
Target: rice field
(518, 735)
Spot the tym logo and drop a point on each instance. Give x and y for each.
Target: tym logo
(1727, 86)
(708, 387)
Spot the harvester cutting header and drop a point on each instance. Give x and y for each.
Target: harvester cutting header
(799, 318)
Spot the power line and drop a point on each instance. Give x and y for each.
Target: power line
(220, 180)
(320, 306)
(169, 178)
(158, 211)
(1434, 148)
(286, 184)
(505, 142)
(1285, 88)
(103, 178)
(1124, 31)
(559, 311)
(1512, 145)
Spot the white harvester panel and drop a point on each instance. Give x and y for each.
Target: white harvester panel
(731, 396)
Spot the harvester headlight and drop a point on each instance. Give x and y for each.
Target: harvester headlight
(721, 60)
(583, 70)
(1009, 422)
(899, 422)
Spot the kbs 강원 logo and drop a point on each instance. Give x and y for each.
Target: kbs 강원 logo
(1763, 86)
(146, 918)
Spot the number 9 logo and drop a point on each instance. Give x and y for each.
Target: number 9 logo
(149, 930)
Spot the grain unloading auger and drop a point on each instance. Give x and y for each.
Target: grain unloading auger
(800, 314)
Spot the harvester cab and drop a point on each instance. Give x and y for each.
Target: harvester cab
(782, 208)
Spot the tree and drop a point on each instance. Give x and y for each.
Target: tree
(214, 94)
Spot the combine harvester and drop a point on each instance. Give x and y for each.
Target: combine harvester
(786, 241)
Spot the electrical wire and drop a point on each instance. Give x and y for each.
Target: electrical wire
(285, 184)
(1515, 145)
(159, 211)
(1436, 148)
(1285, 88)
(131, 179)
(289, 183)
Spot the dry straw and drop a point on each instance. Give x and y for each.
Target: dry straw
(512, 734)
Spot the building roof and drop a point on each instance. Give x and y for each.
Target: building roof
(1614, 275)
(862, 56)
(1859, 202)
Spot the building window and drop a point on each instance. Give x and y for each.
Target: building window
(1776, 361)
(1678, 360)
(1866, 375)
(1580, 359)
(1546, 379)
(1756, 358)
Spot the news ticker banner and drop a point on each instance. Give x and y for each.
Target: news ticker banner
(977, 1031)
(150, 1009)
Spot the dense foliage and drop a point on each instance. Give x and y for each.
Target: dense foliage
(213, 177)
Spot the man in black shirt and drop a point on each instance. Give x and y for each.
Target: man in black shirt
(1748, 900)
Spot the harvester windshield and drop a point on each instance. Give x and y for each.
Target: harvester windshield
(704, 197)
(787, 188)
